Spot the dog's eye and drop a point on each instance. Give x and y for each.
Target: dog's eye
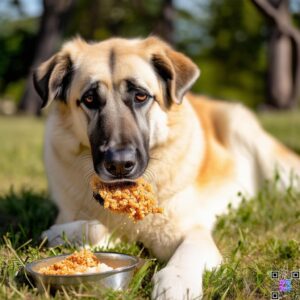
(90, 101)
(141, 97)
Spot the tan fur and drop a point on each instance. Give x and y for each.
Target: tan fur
(217, 163)
(203, 152)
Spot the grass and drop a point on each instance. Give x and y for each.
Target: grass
(21, 153)
(285, 126)
(262, 235)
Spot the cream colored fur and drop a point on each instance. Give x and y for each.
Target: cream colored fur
(180, 143)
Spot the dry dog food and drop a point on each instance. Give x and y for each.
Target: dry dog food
(78, 263)
(136, 199)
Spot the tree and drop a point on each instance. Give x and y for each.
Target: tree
(165, 25)
(229, 47)
(283, 85)
(50, 32)
(101, 19)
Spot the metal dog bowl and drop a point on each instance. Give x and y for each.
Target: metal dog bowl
(118, 279)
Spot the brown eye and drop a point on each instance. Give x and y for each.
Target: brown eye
(141, 97)
(88, 99)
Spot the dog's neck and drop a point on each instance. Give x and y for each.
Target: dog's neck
(179, 155)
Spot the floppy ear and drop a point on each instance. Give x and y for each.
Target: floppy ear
(52, 78)
(176, 70)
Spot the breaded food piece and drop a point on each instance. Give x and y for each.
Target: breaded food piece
(77, 263)
(135, 199)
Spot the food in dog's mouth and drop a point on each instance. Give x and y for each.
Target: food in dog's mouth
(135, 199)
(82, 262)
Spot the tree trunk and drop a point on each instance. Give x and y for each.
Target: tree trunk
(296, 68)
(280, 81)
(283, 85)
(50, 33)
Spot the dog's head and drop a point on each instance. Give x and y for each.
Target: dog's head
(118, 93)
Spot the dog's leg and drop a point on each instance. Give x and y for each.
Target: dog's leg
(182, 277)
(80, 233)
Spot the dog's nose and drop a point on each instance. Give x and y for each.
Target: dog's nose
(120, 162)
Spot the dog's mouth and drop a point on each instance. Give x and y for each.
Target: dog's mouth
(122, 183)
(117, 181)
(98, 198)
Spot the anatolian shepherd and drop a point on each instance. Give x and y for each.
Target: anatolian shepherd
(121, 111)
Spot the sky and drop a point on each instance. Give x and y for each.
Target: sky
(31, 8)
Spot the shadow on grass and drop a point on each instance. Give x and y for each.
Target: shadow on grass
(24, 215)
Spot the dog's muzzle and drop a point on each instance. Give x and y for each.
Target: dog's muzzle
(120, 163)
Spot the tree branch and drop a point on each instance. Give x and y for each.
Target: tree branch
(272, 13)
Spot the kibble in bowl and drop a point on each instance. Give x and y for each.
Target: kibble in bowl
(101, 269)
(82, 262)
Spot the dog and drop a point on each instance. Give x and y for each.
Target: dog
(122, 110)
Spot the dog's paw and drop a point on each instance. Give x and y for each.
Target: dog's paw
(79, 233)
(172, 283)
(213, 261)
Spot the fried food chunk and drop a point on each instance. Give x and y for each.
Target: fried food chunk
(135, 199)
(77, 263)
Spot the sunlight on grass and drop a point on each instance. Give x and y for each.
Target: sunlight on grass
(284, 125)
(261, 236)
(21, 153)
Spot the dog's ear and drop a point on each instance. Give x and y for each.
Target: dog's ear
(176, 70)
(52, 78)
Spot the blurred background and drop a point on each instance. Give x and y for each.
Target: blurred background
(248, 51)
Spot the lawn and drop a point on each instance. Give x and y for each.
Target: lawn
(21, 153)
(259, 237)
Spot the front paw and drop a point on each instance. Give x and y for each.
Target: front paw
(173, 283)
(78, 233)
(65, 233)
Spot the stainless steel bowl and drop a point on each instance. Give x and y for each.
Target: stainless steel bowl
(118, 279)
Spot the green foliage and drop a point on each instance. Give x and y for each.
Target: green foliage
(232, 56)
(226, 38)
(295, 6)
(17, 41)
(102, 19)
(14, 89)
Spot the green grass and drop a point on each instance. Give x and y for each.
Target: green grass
(262, 235)
(285, 126)
(21, 153)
